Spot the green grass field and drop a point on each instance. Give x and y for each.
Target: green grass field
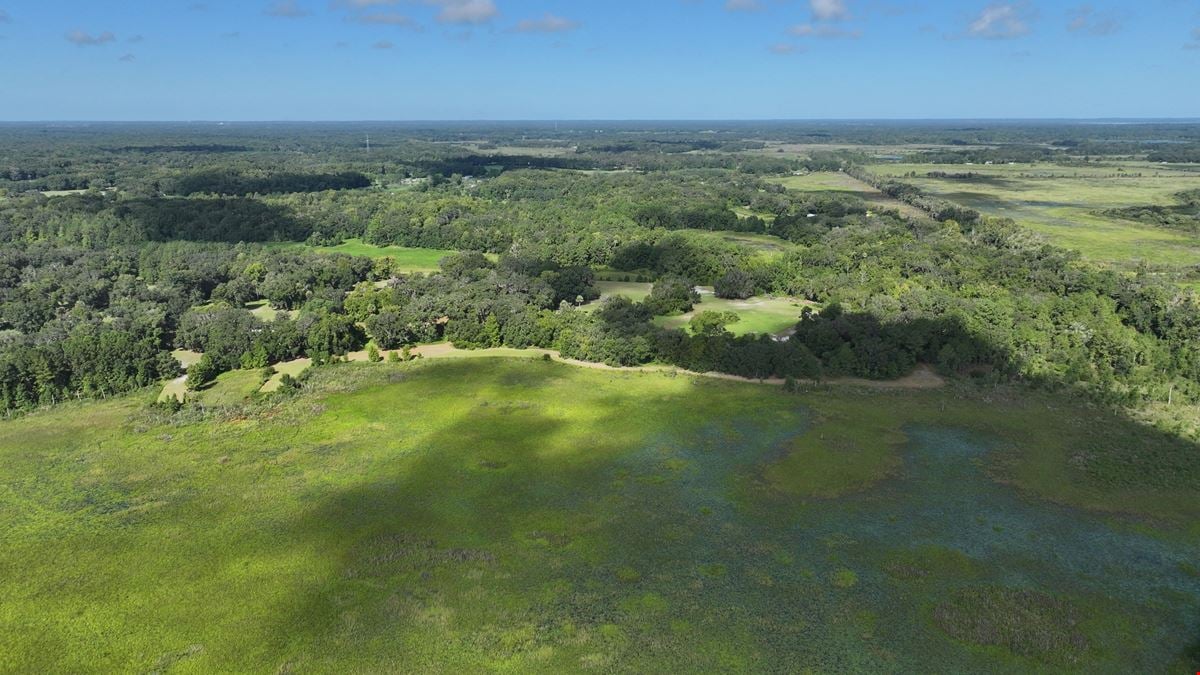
(631, 289)
(828, 181)
(1063, 204)
(761, 243)
(761, 314)
(521, 516)
(407, 259)
(773, 316)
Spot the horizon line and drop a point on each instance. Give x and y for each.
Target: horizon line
(578, 120)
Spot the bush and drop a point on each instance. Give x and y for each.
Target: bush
(202, 372)
(734, 285)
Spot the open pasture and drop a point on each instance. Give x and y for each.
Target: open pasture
(1065, 204)
(498, 514)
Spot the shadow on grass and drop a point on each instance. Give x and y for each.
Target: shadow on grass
(519, 533)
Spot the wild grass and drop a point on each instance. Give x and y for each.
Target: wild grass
(1065, 204)
(505, 514)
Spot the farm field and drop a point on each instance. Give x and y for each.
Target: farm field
(502, 514)
(1063, 203)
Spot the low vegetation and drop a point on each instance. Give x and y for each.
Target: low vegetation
(482, 513)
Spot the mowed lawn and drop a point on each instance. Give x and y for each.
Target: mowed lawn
(1065, 204)
(514, 515)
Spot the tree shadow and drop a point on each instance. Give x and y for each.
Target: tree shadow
(228, 219)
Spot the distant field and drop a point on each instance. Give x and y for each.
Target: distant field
(763, 243)
(759, 315)
(1062, 203)
(408, 259)
(743, 212)
(482, 514)
(828, 181)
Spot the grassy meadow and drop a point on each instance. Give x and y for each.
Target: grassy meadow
(523, 516)
(758, 315)
(828, 181)
(1065, 204)
(407, 259)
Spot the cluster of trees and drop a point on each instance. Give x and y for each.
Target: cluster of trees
(1184, 216)
(1181, 153)
(939, 209)
(95, 290)
(231, 182)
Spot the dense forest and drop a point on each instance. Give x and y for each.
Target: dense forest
(98, 286)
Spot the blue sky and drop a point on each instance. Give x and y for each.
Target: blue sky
(597, 59)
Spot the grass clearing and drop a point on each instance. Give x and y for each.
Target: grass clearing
(758, 315)
(408, 260)
(294, 368)
(187, 358)
(829, 181)
(265, 312)
(503, 514)
(231, 388)
(630, 289)
(1063, 203)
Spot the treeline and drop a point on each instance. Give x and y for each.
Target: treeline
(1185, 216)
(939, 209)
(1181, 153)
(1016, 154)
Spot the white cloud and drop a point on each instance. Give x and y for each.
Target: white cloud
(360, 4)
(1086, 20)
(82, 39)
(383, 44)
(286, 9)
(823, 31)
(829, 10)
(386, 19)
(465, 11)
(547, 24)
(127, 58)
(4, 17)
(1000, 22)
